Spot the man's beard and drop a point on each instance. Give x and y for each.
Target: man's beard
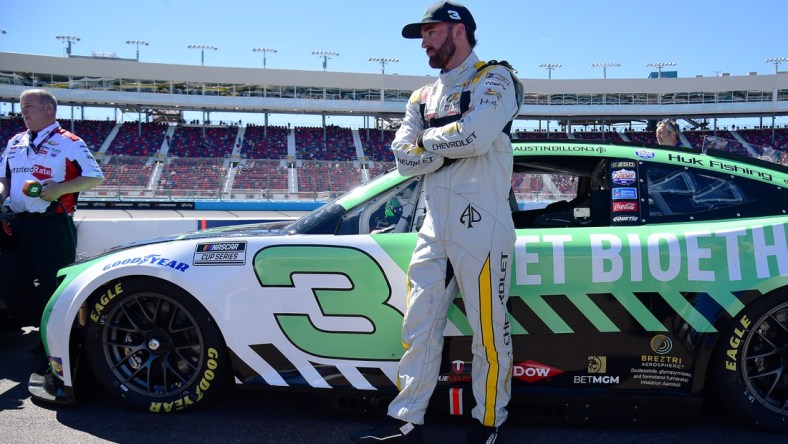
(444, 53)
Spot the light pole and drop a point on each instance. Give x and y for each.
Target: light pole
(68, 39)
(325, 55)
(550, 67)
(383, 61)
(264, 51)
(138, 43)
(659, 66)
(776, 61)
(202, 49)
(604, 66)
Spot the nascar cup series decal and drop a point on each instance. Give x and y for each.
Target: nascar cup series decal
(220, 253)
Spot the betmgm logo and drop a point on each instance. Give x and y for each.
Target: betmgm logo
(597, 364)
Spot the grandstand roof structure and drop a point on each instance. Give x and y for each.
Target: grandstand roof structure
(130, 85)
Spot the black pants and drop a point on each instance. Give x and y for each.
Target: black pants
(30, 258)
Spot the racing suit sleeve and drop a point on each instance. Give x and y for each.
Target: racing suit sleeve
(495, 100)
(413, 160)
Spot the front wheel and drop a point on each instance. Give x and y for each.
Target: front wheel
(151, 345)
(751, 363)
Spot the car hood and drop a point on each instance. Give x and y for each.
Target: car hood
(245, 230)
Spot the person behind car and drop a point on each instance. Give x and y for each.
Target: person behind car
(456, 133)
(668, 133)
(42, 171)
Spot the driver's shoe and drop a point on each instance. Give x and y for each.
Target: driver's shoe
(390, 431)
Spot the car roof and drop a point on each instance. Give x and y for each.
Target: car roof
(545, 156)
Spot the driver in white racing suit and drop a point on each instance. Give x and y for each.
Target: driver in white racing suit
(455, 133)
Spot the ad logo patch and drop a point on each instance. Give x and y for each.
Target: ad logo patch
(532, 371)
(625, 193)
(624, 177)
(220, 253)
(619, 207)
(41, 172)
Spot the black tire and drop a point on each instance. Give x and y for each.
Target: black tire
(152, 346)
(750, 365)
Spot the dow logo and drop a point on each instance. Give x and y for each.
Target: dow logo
(532, 371)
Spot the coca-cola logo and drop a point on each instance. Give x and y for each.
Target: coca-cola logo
(619, 207)
(41, 172)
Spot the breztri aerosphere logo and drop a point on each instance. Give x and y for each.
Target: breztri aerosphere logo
(661, 344)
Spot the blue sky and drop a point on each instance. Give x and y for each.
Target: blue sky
(701, 37)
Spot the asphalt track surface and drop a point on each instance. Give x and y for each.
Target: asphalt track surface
(265, 417)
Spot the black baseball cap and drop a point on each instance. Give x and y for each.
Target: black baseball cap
(451, 12)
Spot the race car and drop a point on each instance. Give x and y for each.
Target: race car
(644, 279)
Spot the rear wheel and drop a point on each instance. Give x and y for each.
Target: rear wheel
(751, 363)
(151, 345)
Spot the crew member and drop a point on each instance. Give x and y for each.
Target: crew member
(42, 171)
(668, 133)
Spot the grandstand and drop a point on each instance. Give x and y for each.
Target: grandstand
(164, 157)
(139, 162)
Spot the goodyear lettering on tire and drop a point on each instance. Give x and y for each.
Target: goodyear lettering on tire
(190, 399)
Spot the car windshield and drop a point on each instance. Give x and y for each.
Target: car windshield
(320, 221)
(325, 219)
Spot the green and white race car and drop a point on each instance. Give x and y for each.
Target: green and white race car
(654, 277)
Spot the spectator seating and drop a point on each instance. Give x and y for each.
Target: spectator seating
(126, 171)
(697, 137)
(199, 141)
(259, 174)
(338, 143)
(763, 137)
(130, 141)
(9, 128)
(538, 135)
(93, 132)
(642, 137)
(264, 143)
(193, 177)
(381, 167)
(531, 187)
(327, 175)
(610, 136)
(196, 168)
(377, 146)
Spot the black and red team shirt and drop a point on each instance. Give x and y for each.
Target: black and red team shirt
(56, 155)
